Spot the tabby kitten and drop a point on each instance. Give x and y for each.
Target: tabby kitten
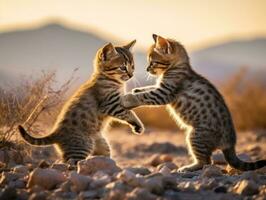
(78, 130)
(194, 103)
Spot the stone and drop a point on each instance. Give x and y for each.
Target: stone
(261, 170)
(64, 195)
(100, 179)
(220, 189)
(43, 195)
(97, 163)
(59, 194)
(2, 156)
(232, 171)
(43, 164)
(155, 160)
(169, 182)
(166, 158)
(165, 171)
(187, 186)
(130, 178)
(188, 174)
(250, 175)
(154, 185)
(2, 165)
(90, 194)
(247, 188)
(22, 195)
(137, 182)
(158, 159)
(35, 189)
(116, 194)
(244, 157)
(218, 158)
(140, 193)
(46, 178)
(170, 165)
(206, 184)
(139, 170)
(66, 186)
(27, 159)
(118, 185)
(21, 169)
(211, 171)
(30, 166)
(17, 184)
(7, 177)
(9, 193)
(79, 182)
(172, 194)
(254, 148)
(14, 157)
(60, 166)
(126, 176)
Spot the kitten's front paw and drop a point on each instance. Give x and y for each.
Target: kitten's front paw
(129, 101)
(138, 129)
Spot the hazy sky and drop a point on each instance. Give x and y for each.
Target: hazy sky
(193, 22)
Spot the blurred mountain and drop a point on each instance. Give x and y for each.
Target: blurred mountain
(55, 47)
(52, 47)
(221, 61)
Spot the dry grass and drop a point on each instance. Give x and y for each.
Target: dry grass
(27, 102)
(156, 117)
(246, 99)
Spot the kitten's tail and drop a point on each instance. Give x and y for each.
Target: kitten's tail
(48, 140)
(234, 161)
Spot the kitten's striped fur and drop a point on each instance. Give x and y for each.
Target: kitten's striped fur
(193, 101)
(77, 132)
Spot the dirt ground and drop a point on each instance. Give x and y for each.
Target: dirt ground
(142, 167)
(133, 150)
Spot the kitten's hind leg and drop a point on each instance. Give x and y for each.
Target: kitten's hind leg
(200, 147)
(77, 149)
(102, 147)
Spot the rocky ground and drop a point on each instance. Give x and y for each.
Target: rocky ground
(142, 167)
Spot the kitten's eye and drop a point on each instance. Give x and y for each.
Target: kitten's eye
(123, 68)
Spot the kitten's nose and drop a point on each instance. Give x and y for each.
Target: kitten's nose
(149, 67)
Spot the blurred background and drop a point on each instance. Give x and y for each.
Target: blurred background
(47, 49)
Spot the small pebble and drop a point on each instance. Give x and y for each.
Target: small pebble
(220, 189)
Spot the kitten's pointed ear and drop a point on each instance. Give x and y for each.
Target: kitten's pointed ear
(162, 44)
(130, 45)
(154, 36)
(108, 51)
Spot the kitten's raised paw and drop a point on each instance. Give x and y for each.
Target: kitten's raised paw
(129, 101)
(138, 129)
